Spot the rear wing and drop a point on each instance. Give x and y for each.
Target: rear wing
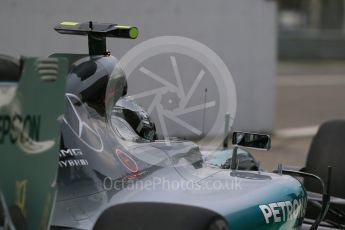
(30, 129)
(97, 33)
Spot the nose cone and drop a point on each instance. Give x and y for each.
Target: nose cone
(253, 200)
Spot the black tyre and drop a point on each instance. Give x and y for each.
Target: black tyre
(218, 224)
(327, 149)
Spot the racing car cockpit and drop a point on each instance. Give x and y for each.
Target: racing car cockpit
(131, 119)
(97, 87)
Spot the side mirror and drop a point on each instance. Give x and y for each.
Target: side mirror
(251, 140)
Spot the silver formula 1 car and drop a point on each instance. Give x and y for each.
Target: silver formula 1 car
(78, 153)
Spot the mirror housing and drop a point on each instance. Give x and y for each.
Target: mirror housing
(251, 140)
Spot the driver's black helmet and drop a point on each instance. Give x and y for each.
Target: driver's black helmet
(139, 120)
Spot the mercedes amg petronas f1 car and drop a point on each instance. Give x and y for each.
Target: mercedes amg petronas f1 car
(77, 153)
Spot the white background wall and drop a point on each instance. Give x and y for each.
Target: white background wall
(241, 32)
